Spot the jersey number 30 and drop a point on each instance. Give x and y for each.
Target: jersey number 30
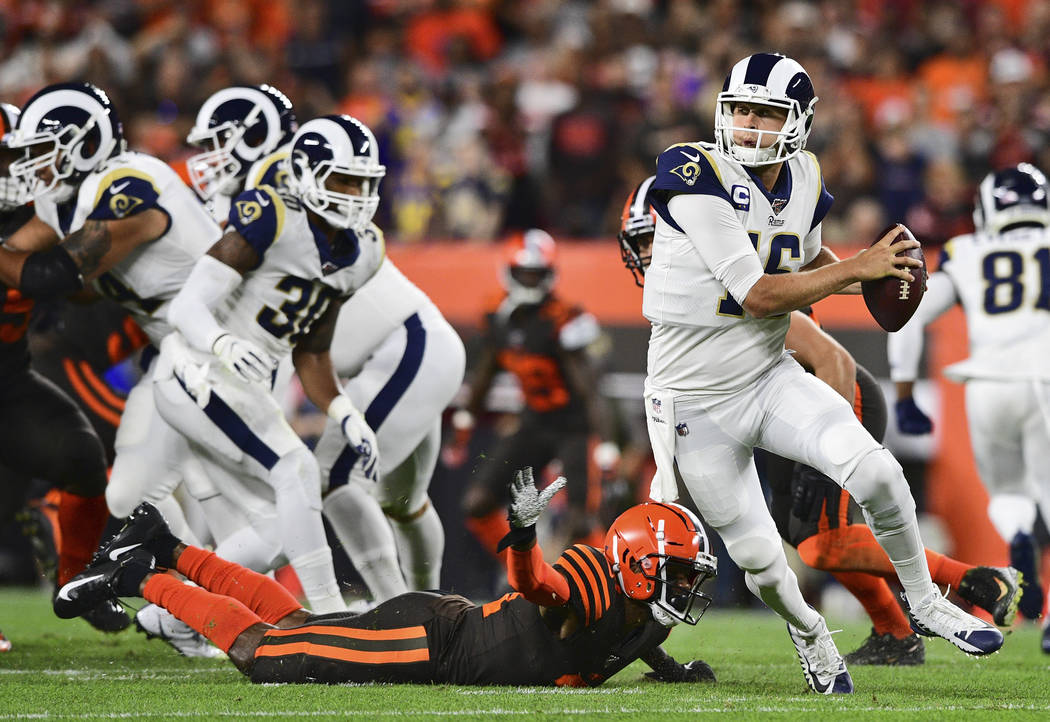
(306, 301)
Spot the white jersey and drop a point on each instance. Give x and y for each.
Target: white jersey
(1003, 284)
(376, 310)
(299, 274)
(702, 340)
(146, 280)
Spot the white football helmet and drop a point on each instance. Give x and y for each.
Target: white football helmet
(235, 127)
(67, 131)
(766, 79)
(336, 144)
(1010, 197)
(12, 193)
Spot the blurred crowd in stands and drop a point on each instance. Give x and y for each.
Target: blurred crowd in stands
(500, 114)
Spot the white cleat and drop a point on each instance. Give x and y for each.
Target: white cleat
(822, 664)
(935, 616)
(157, 622)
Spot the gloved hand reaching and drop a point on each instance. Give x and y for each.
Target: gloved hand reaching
(527, 503)
(358, 434)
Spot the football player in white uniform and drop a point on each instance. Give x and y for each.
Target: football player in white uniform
(1000, 275)
(125, 222)
(737, 247)
(404, 361)
(271, 286)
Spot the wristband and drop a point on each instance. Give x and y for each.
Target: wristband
(340, 408)
(517, 537)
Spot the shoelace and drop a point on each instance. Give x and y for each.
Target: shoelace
(944, 612)
(827, 660)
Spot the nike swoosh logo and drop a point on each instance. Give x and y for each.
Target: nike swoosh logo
(694, 158)
(63, 593)
(264, 200)
(120, 550)
(117, 188)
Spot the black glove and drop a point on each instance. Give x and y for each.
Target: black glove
(695, 671)
(809, 489)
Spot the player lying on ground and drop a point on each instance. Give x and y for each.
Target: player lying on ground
(575, 623)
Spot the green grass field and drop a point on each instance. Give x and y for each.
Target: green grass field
(65, 670)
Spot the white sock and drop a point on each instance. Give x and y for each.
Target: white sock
(365, 534)
(317, 576)
(420, 545)
(1010, 514)
(898, 535)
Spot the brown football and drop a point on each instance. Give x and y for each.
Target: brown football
(892, 301)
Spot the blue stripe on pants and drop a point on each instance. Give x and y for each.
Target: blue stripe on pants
(235, 429)
(388, 396)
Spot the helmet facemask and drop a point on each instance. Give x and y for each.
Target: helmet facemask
(59, 158)
(341, 210)
(216, 169)
(13, 192)
(788, 141)
(636, 251)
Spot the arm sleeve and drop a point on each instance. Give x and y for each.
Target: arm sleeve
(811, 245)
(210, 281)
(721, 241)
(904, 348)
(537, 580)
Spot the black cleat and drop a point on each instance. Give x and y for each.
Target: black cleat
(996, 590)
(101, 582)
(108, 616)
(145, 528)
(1023, 558)
(887, 650)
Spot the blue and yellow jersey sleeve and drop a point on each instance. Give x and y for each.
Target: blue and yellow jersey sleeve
(685, 168)
(123, 193)
(258, 216)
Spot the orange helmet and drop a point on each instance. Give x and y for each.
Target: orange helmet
(529, 272)
(637, 225)
(659, 553)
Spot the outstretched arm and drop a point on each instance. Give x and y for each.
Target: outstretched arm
(527, 571)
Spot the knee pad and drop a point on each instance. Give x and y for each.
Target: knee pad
(756, 551)
(879, 486)
(770, 576)
(297, 472)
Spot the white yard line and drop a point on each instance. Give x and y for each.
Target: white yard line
(501, 712)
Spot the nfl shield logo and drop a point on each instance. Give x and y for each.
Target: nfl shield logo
(778, 205)
(329, 268)
(682, 429)
(657, 406)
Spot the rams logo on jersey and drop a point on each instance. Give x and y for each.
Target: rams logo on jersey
(248, 211)
(121, 204)
(690, 171)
